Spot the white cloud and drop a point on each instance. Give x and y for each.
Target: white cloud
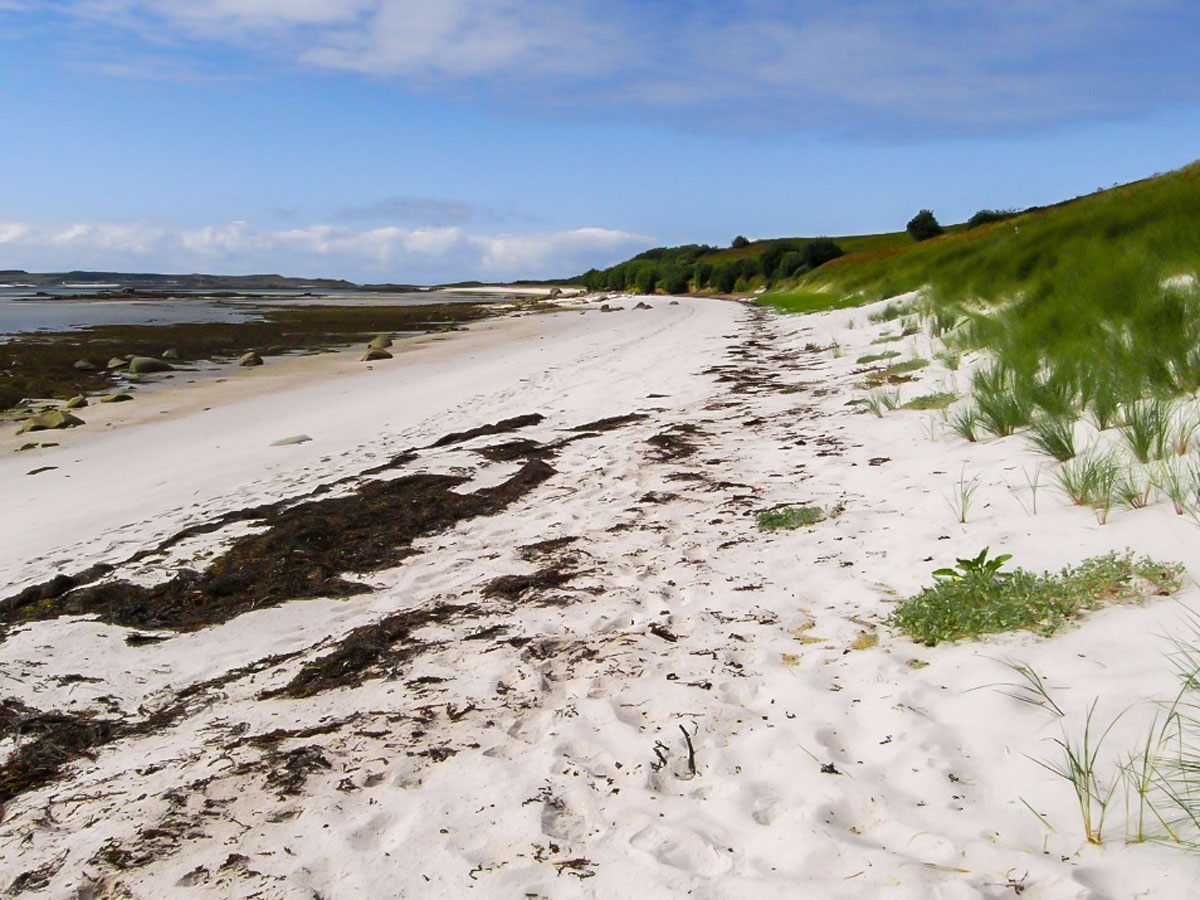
(958, 64)
(512, 253)
(429, 254)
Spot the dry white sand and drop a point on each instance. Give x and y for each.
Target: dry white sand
(547, 756)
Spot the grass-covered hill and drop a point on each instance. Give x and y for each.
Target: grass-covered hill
(1085, 310)
(1085, 307)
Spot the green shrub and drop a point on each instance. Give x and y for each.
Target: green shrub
(936, 400)
(820, 251)
(988, 216)
(923, 226)
(788, 518)
(983, 603)
(876, 357)
(739, 242)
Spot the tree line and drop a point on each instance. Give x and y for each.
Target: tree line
(675, 270)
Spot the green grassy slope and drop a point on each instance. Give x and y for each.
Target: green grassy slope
(1123, 240)
(1088, 307)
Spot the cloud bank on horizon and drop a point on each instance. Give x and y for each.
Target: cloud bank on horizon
(424, 253)
(863, 72)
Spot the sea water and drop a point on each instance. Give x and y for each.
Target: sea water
(21, 311)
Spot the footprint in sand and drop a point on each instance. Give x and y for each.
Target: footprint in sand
(682, 849)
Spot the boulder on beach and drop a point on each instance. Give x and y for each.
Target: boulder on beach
(674, 303)
(118, 397)
(117, 362)
(77, 402)
(145, 365)
(49, 420)
(642, 305)
(87, 365)
(374, 354)
(380, 342)
(170, 354)
(250, 359)
(10, 396)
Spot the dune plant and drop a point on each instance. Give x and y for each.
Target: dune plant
(1104, 404)
(1177, 480)
(890, 312)
(1054, 396)
(876, 357)
(1105, 490)
(965, 423)
(1183, 431)
(936, 400)
(788, 518)
(882, 399)
(961, 495)
(1002, 413)
(943, 319)
(951, 359)
(1089, 479)
(1147, 428)
(1054, 436)
(973, 606)
(1134, 487)
(1078, 766)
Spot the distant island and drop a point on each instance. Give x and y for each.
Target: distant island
(152, 281)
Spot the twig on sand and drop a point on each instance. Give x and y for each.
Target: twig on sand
(691, 750)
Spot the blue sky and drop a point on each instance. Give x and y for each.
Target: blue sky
(413, 140)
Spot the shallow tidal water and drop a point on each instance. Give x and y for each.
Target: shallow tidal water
(21, 312)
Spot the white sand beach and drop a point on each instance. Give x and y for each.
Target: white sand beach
(682, 705)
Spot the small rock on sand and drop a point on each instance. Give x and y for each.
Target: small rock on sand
(117, 363)
(250, 359)
(294, 439)
(374, 353)
(77, 402)
(642, 305)
(144, 365)
(380, 342)
(87, 365)
(49, 420)
(118, 397)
